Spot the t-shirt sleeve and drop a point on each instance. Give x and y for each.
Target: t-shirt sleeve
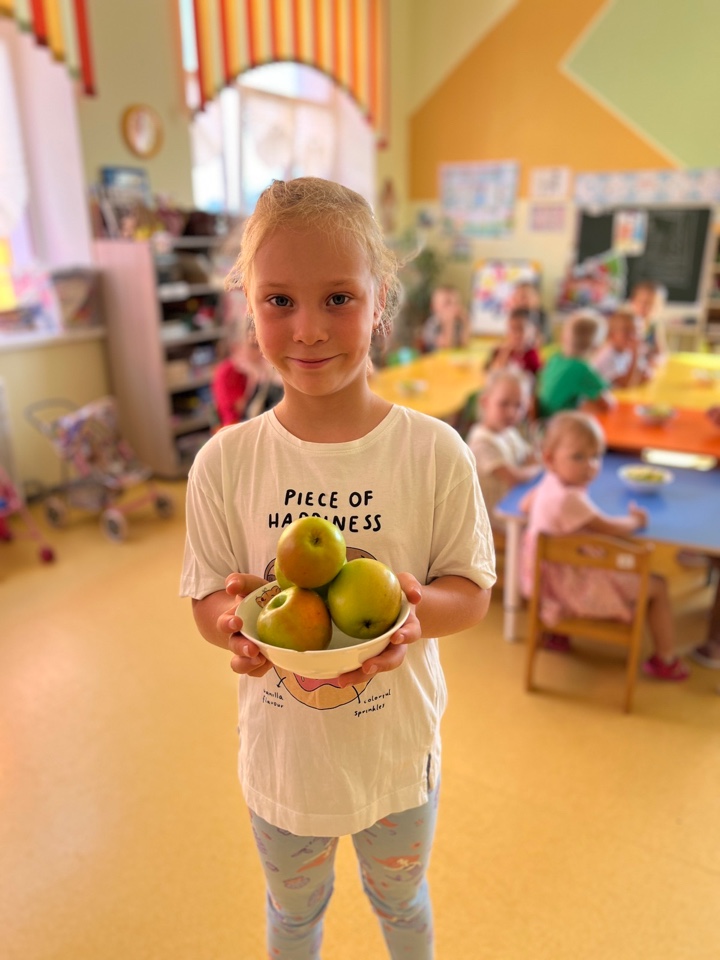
(592, 384)
(577, 510)
(487, 452)
(532, 361)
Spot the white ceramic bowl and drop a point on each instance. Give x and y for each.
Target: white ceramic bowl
(644, 478)
(654, 414)
(343, 655)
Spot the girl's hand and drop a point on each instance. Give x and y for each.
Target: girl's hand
(247, 658)
(638, 515)
(394, 654)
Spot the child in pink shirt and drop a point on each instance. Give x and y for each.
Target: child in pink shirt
(572, 451)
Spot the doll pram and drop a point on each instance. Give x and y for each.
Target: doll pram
(98, 465)
(11, 504)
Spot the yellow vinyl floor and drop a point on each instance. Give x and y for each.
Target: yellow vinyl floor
(567, 830)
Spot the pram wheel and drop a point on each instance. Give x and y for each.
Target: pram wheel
(164, 506)
(114, 525)
(55, 511)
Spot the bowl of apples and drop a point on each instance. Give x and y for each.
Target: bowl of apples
(324, 615)
(654, 414)
(643, 478)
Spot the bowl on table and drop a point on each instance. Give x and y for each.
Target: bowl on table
(644, 478)
(654, 414)
(342, 655)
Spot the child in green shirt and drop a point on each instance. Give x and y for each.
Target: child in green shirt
(567, 380)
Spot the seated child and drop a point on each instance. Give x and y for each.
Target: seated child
(448, 326)
(567, 380)
(621, 360)
(502, 456)
(244, 384)
(650, 330)
(518, 347)
(573, 445)
(526, 296)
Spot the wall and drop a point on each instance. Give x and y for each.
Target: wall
(136, 47)
(594, 85)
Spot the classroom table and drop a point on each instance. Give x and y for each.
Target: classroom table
(685, 513)
(439, 384)
(687, 431)
(687, 380)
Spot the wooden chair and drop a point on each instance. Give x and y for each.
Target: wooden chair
(593, 552)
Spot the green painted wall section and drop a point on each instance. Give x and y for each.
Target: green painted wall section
(657, 64)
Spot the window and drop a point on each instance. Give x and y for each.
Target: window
(279, 121)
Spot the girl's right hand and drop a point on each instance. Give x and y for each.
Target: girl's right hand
(638, 515)
(247, 658)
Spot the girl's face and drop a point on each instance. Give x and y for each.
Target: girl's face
(516, 333)
(313, 299)
(504, 406)
(575, 460)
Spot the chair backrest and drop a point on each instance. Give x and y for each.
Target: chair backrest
(594, 552)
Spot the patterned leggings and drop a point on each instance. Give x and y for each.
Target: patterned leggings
(393, 856)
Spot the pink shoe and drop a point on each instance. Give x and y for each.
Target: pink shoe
(659, 670)
(557, 642)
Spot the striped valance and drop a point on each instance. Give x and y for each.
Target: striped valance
(60, 25)
(346, 39)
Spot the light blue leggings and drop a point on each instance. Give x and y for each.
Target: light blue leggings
(393, 856)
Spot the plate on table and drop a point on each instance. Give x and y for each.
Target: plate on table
(644, 477)
(343, 655)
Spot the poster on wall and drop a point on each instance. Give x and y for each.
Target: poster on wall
(599, 190)
(630, 232)
(547, 217)
(478, 199)
(549, 183)
(492, 284)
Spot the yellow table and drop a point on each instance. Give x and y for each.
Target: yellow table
(438, 384)
(689, 380)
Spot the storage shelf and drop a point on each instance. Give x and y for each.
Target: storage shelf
(198, 336)
(191, 424)
(174, 292)
(192, 383)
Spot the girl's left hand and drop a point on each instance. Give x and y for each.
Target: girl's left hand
(394, 654)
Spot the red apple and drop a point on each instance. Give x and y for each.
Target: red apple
(310, 552)
(296, 619)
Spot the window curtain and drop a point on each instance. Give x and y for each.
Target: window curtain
(346, 39)
(62, 27)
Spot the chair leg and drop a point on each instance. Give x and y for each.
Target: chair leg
(532, 643)
(631, 675)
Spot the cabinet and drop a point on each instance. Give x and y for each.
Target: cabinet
(165, 334)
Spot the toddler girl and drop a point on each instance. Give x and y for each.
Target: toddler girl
(518, 348)
(573, 445)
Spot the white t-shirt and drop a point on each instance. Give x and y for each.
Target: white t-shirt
(612, 364)
(314, 759)
(492, 450)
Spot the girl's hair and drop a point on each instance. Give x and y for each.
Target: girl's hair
(572, 423)
(508, 375)
(313, 202)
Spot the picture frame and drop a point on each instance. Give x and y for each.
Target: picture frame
(142, 130)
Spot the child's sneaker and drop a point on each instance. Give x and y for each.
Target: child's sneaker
(657, 668)
(557, 642)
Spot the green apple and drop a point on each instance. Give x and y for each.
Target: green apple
(282, 580)
(365, 598)
(311, 551)
(296, 619)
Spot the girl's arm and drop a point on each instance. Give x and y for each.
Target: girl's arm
(618, 526)
(514, 475)
(215, 619)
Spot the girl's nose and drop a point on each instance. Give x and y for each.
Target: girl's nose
(309, 327)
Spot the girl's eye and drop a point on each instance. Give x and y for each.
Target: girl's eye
(280, 301)
(339, 299)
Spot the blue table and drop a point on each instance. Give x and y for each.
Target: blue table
(685, 513)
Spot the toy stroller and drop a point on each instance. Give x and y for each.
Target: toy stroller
(11, 504)
(98, 465)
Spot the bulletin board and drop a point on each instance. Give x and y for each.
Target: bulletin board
(673, 252)
(492, 284)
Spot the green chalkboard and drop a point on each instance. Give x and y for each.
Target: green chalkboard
(674, 251)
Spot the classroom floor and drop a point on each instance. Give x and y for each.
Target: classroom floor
(567, 830)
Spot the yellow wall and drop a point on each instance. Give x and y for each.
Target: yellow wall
(135, 49)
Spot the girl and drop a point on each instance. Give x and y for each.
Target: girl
(503, 457)
(517, 349)
(359, 754)
(573, 445)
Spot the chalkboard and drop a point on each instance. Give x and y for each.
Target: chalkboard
(674, 250)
